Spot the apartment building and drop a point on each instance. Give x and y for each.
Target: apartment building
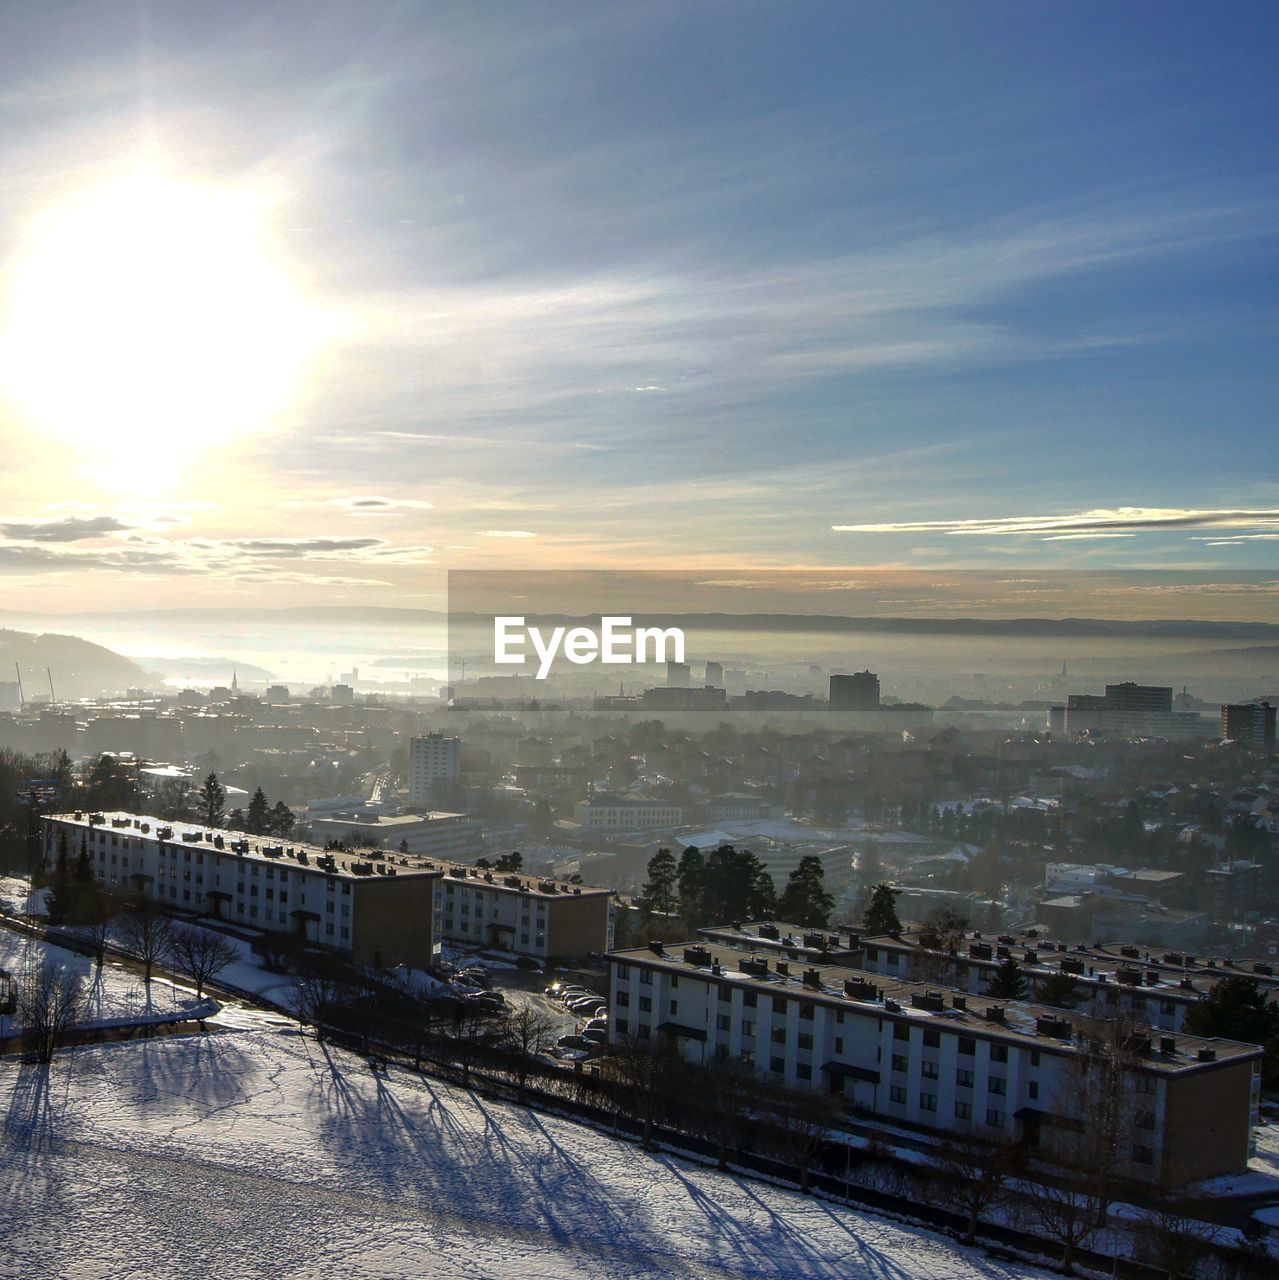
(626, 813)
(376, 908)
(433, 758)
(371, 911)
(431, 835)
(529, 915)
(943, 1060)
(1154, 988)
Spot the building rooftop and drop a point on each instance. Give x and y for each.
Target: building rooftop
(1049, 1028)
(359, 862)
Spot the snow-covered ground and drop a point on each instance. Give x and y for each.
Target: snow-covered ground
(114, 993)
(257, 1152)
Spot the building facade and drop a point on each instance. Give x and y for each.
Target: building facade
(433, 758)
(948, 1061)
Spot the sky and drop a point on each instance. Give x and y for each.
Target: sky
(307, 303)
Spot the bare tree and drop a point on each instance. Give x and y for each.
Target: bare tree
(526, 1032)
(971, 1173)
(473, 1026)
(802, 1125)
(49, 1002)
(98, 921)
(1173, 1233)
(1064, 1212)
(201, 953)
(645, 1069)
(717, 1100)
(145, 933)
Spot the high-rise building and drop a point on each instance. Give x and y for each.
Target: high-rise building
(433, 758)
(714, 675)
(679, 675)
(1251, 724)
(857, 692)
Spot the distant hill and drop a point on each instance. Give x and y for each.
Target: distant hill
(80, 668)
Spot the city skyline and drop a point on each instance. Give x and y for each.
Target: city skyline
(564, 287)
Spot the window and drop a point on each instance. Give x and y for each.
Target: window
(623, 999)
(1034, 1057)
(963, 1111)
(779, 1004)
(928, 1070)
(623, 972)
(777, 1066)
(928, 1102)
(999, 1053)
(897, 1094)
(748, 1028)
(646, 977)
(901, 1031)
(1145, 1084)
(964, 1078)
(995, 1119)
(674, 980)
(645, 1004)
(749, 999)
(932, 1038)
(804, 1071)
(674, 1007)
(722, 1022)
(779, 1035)
(1032, 1090)
(1143, 1155)
(900, 1062)
(620, 1026)
(839, 1044)
(805, 1041)
(806, 1011)
(725, 994)
(997, 1085)
(1145, 1120)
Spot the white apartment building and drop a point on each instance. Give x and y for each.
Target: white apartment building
(374, 912)
(627, 813)
(940, 1060)
(433, 758)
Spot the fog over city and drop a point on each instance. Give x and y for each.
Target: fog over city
(639, 640)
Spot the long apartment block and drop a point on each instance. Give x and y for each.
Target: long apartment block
(378, 908)
(917, 1055)
(1153, 987)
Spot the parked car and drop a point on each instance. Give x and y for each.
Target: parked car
(599, 1022)
(586, 1007)
(575, 1042)
(595, 1035)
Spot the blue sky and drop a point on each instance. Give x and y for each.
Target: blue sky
(765, 284)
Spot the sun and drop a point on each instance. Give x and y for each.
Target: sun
(151, 319)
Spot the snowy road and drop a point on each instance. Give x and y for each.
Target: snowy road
(258, 1153)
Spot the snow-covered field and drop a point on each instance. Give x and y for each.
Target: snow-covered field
(257, 1152)
(113, 993)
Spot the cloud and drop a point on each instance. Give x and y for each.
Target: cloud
(506, 533)
(68, 529)
(372, 504)
(1099, 523)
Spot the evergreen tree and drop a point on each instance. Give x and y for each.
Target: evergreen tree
(510, 862)
(1009, 983)
(1059, 990)
(692, 869)
(108, 786)
(58, 900)
(257, 819)
(282, 820)
(1237, 1009)
(881, 910)
(805, 901)
(661, 890)
(212, 801)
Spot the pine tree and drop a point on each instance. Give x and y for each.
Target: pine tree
(1009, 983)
(881, 910)
(282, 820)
(212, 801)
(257, 818)
(660, 892)
(805, 901)
(692, 871)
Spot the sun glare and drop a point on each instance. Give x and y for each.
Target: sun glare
(151, 319)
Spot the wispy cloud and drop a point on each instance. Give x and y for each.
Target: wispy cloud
(1099, 523)
(68, 529)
